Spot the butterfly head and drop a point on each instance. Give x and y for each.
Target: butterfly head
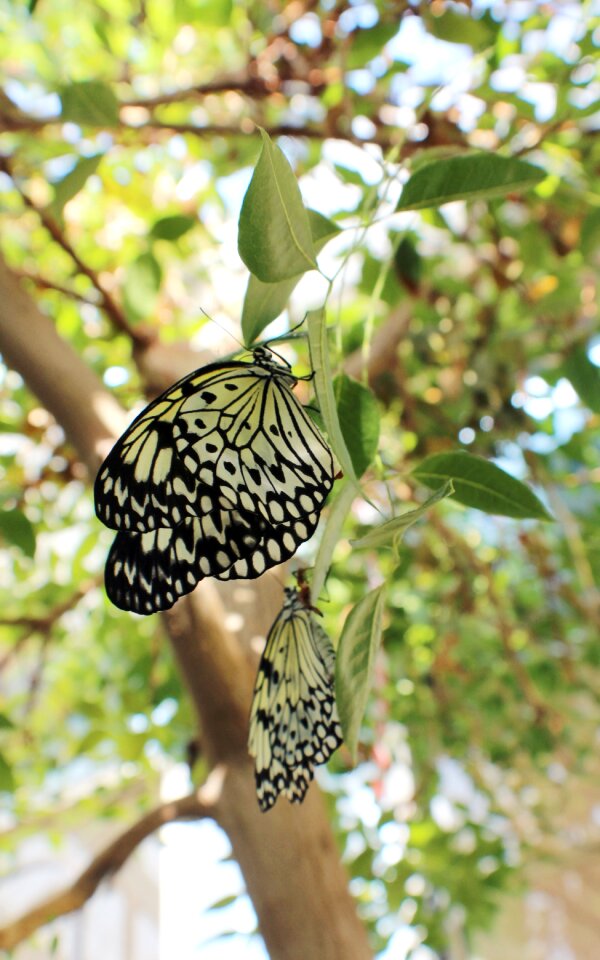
(264, 357)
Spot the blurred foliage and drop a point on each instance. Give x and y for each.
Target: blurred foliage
(128, 127)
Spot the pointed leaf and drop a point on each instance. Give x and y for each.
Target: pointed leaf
(274, 240)
(69, 186)
(90, 102)
(355, 660)
(141, 286)
(17, 529)
(481, 484)
(465, 178)
(585, 377)
(336, 515)
(387, 534)
(172, 228)
(265, 301)
(7, 780)
(358, 414)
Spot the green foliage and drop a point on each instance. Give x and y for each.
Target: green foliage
(358, 415)
(475, 319)
(390, 533)
(478, 483)
(357, 648)
(265, 301)
(89, 102)
(16, 528)
(465, 178)
(275, 238)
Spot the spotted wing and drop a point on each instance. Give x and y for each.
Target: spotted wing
(144, 484)
(294, 723)
(147, 572)
(277, 544)
(258, 444)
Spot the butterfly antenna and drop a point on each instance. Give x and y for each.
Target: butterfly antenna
(223, 328)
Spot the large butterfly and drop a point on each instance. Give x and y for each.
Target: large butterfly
(223, 475)
(294, 723)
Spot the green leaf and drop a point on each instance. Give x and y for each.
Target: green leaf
(368, 42)
(464, 178)
(408, 263)
(358, 413)
(265, 301)
(317, 339)
(7, 780)
(590, 234)
(141, 286)
(69, 186)
(172, 228)
(387, 534)
(355, 660)
(336, 515)
(274, 239)
(224, 902)
(454, 27)
(481, 484)
(6, 723)
(17, 529)
(90, 741)
(91, 103)
(584, 376)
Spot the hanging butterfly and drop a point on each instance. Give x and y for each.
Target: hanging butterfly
(294, 724)
(223, 475)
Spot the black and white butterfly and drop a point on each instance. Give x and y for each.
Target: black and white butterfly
(223, 475)
(294, 724)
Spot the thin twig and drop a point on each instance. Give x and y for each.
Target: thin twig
(45, 284)
(107, 302)
(104, 865)
(44, 625)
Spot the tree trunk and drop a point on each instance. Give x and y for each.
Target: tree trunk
(288, 856)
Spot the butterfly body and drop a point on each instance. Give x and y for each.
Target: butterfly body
(222, 475)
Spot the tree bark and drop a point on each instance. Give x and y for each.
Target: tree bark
(288, 856)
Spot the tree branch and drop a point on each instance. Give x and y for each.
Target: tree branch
(105, 864)
(107, 302)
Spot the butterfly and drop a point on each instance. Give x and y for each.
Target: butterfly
(223, 475)
(294, 724)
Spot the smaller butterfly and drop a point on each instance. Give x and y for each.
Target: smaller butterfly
(294, 723)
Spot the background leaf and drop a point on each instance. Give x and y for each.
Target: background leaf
(481, 484)
(17, 529)
(90, 103)
(69, 186)
(141, 286)
(172, 228)
(585, 377)
(7, 779)
(484, 175)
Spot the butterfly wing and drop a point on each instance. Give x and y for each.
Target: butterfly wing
(144, 483)
(276, 544)
(222, 475)
(147, 572)
(294, 724)
(258, 444)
